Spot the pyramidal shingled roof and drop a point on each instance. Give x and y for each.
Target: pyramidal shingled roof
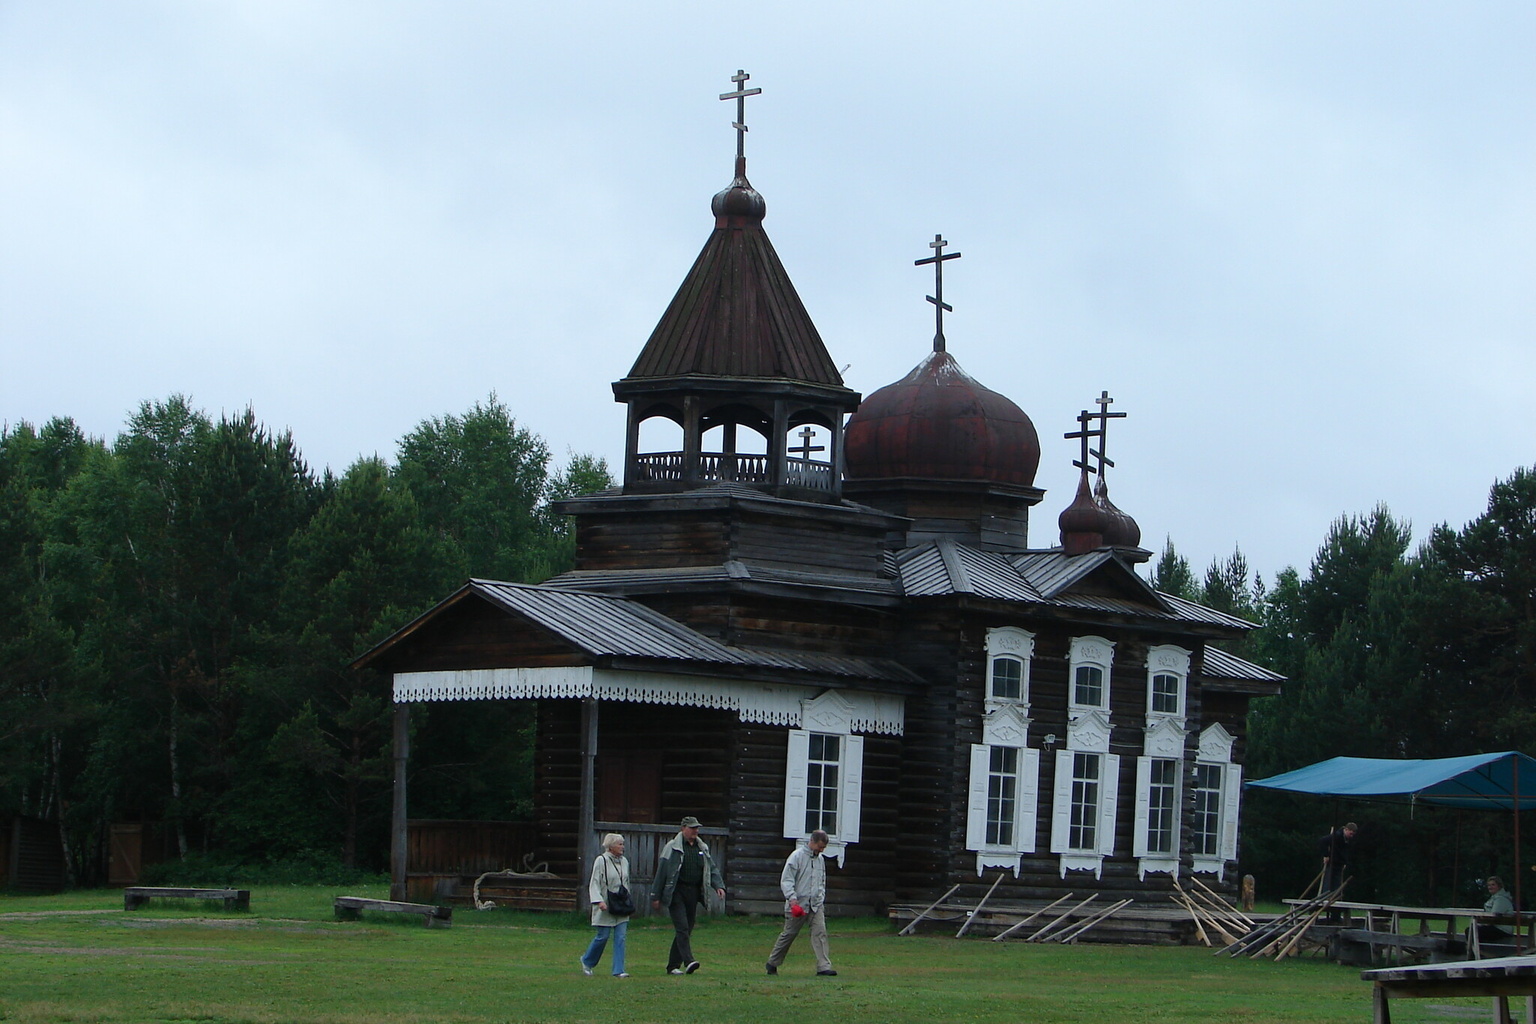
(737, 315)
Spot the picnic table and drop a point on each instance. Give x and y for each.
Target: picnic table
(1384, 929)
(1500, 978)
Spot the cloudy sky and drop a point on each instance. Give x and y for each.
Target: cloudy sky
(1295, 240)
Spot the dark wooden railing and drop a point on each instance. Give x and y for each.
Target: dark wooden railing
(744, 469)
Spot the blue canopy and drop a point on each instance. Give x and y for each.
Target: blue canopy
(1494, 782)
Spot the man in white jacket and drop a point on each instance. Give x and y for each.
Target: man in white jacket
(804, 884)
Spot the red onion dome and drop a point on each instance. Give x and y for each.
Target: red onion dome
(938, 423)
(1122, 531)
(1084, 522)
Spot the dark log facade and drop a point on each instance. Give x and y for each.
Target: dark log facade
(736, 645)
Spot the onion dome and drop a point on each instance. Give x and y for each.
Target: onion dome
(1083, 523)
(938, 423)
(1122, 531)
(738, 202)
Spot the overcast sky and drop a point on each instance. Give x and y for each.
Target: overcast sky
(1296, 241)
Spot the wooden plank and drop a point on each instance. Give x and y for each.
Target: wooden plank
(135, 896)
(349, 908)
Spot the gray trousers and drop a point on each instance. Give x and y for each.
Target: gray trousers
(792, 926)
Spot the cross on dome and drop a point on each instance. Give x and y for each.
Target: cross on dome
(740, 124)
(1086, 434)
(940, 307)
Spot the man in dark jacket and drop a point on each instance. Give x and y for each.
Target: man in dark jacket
(685, 872)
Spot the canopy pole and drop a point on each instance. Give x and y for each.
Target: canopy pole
(1519, 943)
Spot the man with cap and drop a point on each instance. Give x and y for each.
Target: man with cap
(686, 871)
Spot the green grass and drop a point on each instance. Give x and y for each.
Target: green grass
(80, 957)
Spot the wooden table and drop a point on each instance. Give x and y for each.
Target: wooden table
(1437, 931)
(1500, 978)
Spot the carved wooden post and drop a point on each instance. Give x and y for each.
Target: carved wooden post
(397, 840)
(585, 814)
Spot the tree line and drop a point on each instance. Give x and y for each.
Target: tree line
(178, 610)
(1391, 653)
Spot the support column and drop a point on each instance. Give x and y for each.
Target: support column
(585, 814)
(397, 836)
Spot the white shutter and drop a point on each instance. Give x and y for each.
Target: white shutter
(794, 783)
(976, 805)
(1231, 802)
(1109, 804)
(1061, 804)
(853, 790)
(1143, 806)
(1029, 801)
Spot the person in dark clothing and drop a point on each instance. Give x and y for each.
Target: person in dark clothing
(686, 871)
(1335, 848)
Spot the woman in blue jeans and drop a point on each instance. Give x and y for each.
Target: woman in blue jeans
(610, 871)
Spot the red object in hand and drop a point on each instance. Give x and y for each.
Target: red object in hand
(797, 910)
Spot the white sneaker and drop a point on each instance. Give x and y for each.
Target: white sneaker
(676, 970)
(584, 968)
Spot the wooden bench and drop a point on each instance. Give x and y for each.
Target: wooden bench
(1500, 978)
(135, 896)
(350, 908)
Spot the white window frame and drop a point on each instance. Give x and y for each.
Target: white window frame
(829, 714)
(1168, 660)
(1149, 859)
(1085, 858)
(1089, 652)
(1216, 750)
(1015, 644)
(1005, 727)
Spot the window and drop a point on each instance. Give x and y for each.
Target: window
(1161, 808)
(1009, 650)
(824, 774)
(1167, 676)
(1206, 835)
(1002, 796)
(1007, 678)
(1090, 658)
(1085, 801)
(822, 790)
(1165, 693)
(1088, 686)
(1217, 798)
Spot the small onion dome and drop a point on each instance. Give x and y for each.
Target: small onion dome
(1123, 531)
(1084, 523)
(738, 203)
(937, 423)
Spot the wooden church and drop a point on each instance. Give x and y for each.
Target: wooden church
(806, 610)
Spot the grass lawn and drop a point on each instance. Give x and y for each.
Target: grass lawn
(80, 957)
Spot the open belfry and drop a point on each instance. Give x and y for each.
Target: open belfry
(804, 609)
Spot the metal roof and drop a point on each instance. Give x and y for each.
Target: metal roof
(1221, 665)
(737, 315)
(602, 625)
(730, 571)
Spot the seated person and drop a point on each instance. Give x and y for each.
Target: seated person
(1499, 903)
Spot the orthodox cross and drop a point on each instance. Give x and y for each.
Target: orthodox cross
(1083, 434)
(940, 307)
(740, 124)
(1104, 416)
(1086, 434)
(806, 448)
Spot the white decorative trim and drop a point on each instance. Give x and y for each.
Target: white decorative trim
(1215, 744)
(1006, 727)
(1088, 730)
(1015, 642)
(1165, 739)
(1082, 862)
(855, 711)
(1007, 861)
(1086, 651)
(1167, 865)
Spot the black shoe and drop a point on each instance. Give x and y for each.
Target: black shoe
(826, 974)
(772, 970)
(693, 965)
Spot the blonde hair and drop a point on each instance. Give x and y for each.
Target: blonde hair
(610, 839)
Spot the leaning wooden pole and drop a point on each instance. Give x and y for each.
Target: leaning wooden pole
(1071, 934)
(908, 929)
(1065, 918)
(977, 912)
(1031, 917)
